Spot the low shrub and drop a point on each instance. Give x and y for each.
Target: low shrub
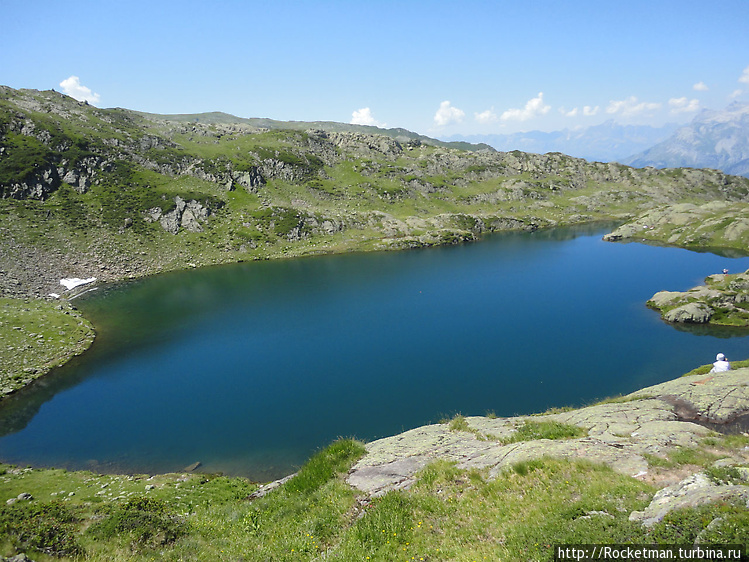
(45, 527)
(148, 522)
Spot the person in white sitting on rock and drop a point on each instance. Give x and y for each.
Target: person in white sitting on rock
(721, 364)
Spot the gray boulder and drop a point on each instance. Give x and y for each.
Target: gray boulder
(186, 214)
(690, 313)
(693, 491)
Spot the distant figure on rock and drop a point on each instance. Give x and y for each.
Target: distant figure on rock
(725, 272)
(721, 364)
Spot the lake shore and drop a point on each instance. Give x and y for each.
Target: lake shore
(31, 272)
(34, 274)
(38, 335)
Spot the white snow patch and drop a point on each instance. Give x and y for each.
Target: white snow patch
(74, 282)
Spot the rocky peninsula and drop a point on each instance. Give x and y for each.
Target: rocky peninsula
(722, 301)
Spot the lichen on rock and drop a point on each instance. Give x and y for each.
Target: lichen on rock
(621, 434)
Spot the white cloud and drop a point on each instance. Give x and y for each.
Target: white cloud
(364, 116)
(487, 116)
(683, 105)
(735, 94)
(631, 107)
(589, 111)
(72, 86)
(744, 78)
(447, 114)
(533, 108)
(700, 87)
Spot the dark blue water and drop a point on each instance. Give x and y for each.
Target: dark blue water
(249, 368)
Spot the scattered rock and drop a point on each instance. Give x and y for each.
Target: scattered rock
(25, 496)
(693, 491)
(16, 558)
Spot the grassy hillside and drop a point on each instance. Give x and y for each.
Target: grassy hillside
(449, 514)
(115, 193)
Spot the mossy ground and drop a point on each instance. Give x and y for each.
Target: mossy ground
(38, 335)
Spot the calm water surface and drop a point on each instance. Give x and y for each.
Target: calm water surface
(249, 368)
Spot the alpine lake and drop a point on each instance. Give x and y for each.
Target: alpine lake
(248, 369)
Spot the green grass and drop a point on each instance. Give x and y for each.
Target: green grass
(530, 430)
(449, 514)
(42, 527)
(324, 465)
(38, 335)
(140, 523)
(459, 423)
(681, 456)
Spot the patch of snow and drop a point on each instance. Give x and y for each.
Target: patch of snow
(74, 282)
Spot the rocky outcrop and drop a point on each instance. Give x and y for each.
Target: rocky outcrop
(365, 145)
(251, 179)
(721, 301)
(718, 224)
(187, 215)
(690, 313)
(694, 491)
(621, 434)
(37, 185)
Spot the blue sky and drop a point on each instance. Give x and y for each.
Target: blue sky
(437, 68)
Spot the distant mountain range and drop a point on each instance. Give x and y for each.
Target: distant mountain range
(607, 142)
(714, 139)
